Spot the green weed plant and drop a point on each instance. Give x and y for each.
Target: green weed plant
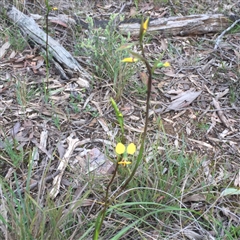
(100, 50)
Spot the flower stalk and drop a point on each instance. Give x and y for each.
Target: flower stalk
(121, 150)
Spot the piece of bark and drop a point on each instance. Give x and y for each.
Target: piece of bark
(29, 28)
(181, 26)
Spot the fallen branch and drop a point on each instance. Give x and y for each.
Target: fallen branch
(30, 29)
(171, 26)
(183, 26)
(220, 113)
(218, 40)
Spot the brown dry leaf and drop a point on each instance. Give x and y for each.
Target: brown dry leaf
(15, 129)
(222, 94)
(43, 149)
(144, 78)
(140, 130)
(73, 142)
(127, 109)
(29, 56)
(146, 7)
(188, 130)
(237, 180)
(170, 73)
(133, 12)
(106, 7)
(4, 48)
(59, 22)
(40, 62)
(161, 84)
(221, 114)
(231, 215)
(201, 143)
(206, 170)
(164, 44)
(214, 120)
(61, 149)
(183, 100)
(18, 65)
(93, 122)
(20, 59)
(104, 125)
(194, 198)
(13, 54)
(237, 53)
(179, 114)
(83, 83)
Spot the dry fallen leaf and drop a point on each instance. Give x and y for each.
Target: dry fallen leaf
(237, 180)
(59, 22)
(195, 198)
(132, 12)
(4, 49)
(185, 99)
(144, 78)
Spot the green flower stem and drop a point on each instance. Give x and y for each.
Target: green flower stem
(107, 202)
(143, 138)
(140, 154)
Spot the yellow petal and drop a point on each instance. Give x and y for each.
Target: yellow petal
(54, 8)
(145, 25)
(120, 148)
(131, 148)
(166, 64)
(130, 59)
(124, 162)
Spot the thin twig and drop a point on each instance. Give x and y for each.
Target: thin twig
(218, 40)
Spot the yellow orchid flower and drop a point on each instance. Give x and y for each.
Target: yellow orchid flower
(130, 59)
(131, 148)
(145, 25)
(120, 148)
(124, 162)
(161, 64)
(166, 64)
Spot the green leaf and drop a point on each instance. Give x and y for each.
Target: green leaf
(98, 224)
(230, 191)
(160, 64)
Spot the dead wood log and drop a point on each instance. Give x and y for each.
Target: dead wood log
(181, 26)
(30, 29)
(172, 26)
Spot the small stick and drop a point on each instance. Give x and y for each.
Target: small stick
(218, 40)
